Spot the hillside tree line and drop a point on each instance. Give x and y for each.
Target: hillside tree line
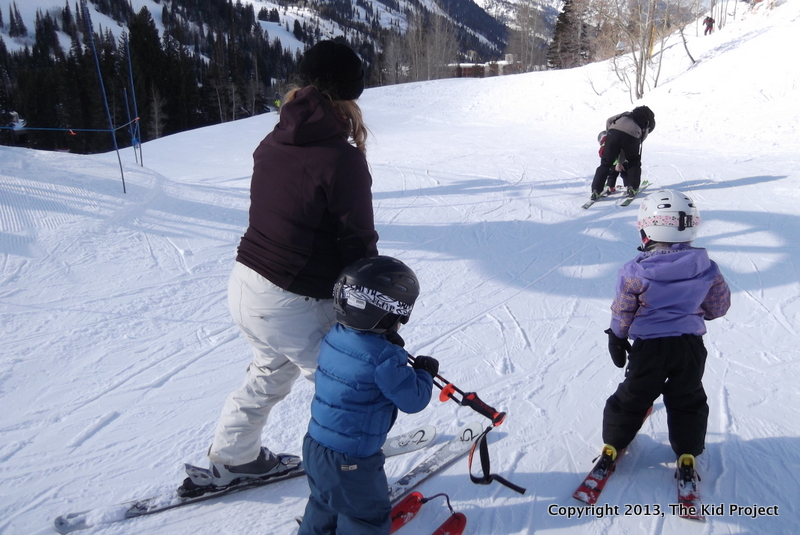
(210, 61)
(632, 33)
(187, 76)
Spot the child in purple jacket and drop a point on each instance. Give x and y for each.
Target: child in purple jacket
(663, 298)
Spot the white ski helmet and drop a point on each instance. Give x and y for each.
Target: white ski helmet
(668, 216)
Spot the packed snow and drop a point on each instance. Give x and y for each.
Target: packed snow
(118, 350)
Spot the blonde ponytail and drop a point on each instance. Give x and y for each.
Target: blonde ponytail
(347, 110)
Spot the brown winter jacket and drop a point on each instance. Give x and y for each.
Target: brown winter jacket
(626, 124)
(310, 201)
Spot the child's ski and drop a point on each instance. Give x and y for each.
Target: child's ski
(605, 193)
(690, 505)
(593, 484)
(408, 442)
(447, 453)
(629, 200)
(184, 495)
(403, 512)
(452, 526)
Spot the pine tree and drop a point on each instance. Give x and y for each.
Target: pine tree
(46, 37)
(571, 42)
(6, 106)
(148, 59)
(22, 31)
(13, 30)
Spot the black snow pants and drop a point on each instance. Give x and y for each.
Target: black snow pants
(672, 366)
(618, 141)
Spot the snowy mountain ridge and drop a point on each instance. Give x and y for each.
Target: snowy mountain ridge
(388, 13)
(117, 349)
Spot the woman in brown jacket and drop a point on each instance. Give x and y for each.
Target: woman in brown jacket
(310, 216)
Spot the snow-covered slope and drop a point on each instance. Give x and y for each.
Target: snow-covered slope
(29, 8)
(117, 349)
(393, 14)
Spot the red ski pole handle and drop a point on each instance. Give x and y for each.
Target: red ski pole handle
(472, 401)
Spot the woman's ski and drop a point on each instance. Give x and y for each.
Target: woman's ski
(396, 445)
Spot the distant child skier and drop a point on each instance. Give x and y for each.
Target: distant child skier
(662, 298)
(709, 22)
(363, 378)
(625, 133)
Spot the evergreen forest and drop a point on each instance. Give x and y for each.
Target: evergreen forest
(212, 62)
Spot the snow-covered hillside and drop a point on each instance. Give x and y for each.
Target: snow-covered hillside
(387, 17)
(29, 8)
(117, 349)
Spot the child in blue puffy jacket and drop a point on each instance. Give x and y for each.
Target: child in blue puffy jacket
(363, 378)
(664, 296)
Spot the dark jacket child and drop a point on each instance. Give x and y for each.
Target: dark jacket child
(709, 23)
(663, 298)
(625, 133)
(363, 378)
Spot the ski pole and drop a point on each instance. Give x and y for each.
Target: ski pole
(468, 399)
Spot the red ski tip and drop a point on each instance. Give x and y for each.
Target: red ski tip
(403, 512)
(453, 526)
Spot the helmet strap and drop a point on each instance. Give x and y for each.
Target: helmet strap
(685, 220)
(388, 324)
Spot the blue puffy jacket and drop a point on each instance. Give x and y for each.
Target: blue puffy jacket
(361, 381)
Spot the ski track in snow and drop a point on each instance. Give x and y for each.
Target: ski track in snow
(92, 430)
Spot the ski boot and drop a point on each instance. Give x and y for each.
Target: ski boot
(607, 459)
(687, 475)
(266, 465)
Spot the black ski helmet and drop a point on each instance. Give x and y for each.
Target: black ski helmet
(644, 118)
(372, 289)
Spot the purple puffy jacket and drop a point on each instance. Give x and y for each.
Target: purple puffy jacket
(669, 291)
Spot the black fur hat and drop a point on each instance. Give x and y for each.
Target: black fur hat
(333, 68)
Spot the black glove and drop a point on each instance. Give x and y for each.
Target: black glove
(618, 348)
(429, 364)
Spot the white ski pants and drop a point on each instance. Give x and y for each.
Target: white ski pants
(284, 330)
